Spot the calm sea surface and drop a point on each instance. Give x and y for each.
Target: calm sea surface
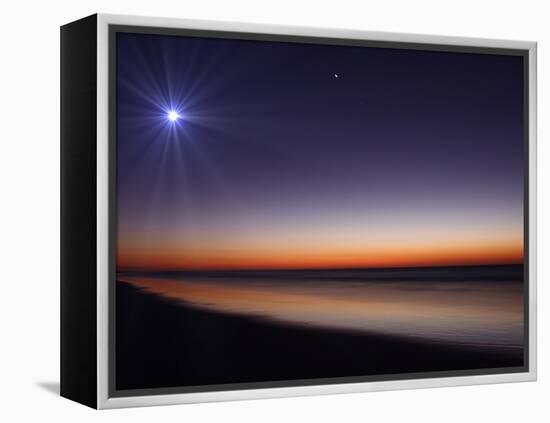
(471, 306)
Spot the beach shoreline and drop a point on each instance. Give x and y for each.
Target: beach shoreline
(161, 344)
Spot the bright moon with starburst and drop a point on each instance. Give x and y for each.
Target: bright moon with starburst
(173, 116)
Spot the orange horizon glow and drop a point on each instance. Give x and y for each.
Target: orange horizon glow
(319, 257)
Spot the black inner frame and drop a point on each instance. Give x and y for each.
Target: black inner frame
(112, 140)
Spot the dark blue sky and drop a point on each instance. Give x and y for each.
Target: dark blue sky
(404, 151)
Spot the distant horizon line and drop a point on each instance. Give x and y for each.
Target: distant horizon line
(304, 269)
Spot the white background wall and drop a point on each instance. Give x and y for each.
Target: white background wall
(29, 232)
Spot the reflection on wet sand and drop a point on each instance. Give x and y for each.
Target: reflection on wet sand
(474, 312)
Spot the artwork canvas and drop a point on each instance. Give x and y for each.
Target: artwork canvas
(295, 211)
(253, 212)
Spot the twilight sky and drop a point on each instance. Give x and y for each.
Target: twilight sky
(293, 155)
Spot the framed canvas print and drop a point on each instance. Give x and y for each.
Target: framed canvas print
(254, 211)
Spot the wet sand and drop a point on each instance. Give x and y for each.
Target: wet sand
(163, 344)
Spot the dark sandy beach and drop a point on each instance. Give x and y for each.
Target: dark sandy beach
(164, 344)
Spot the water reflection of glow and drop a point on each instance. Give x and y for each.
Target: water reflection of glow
(479, 313)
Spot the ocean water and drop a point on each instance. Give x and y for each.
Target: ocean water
(474, 306)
